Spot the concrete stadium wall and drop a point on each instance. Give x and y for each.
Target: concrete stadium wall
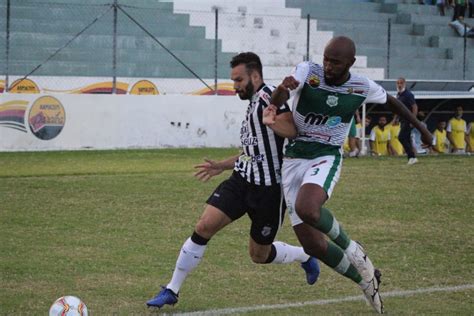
(34, 122)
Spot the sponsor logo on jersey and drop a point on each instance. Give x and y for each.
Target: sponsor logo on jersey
(255, 158)
(332, 100)
(249, 141)
(319, 163)
(333, 121)
(314, 81)
(320, 119)
(318, 136)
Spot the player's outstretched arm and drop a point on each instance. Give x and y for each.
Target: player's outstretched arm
(282, 93)
(398, 108)
(211, 168)
(282, 124)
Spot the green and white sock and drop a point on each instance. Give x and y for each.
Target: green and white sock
(339, 262)
(329, 225)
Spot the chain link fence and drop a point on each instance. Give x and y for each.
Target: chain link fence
(152, 47)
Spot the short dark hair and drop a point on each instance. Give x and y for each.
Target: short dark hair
(250, 60)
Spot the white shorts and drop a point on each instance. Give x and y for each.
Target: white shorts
(323, 171)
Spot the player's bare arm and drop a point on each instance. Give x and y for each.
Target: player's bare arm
(398, 108)
(414, 109)
(281, 124)
(282, 93)
(211, 168)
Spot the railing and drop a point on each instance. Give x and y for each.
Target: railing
(93, 50)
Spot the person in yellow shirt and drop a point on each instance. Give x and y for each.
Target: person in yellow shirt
(470, 137)
(394, 128)
(456, 132)
(380, 137)
(440, 138)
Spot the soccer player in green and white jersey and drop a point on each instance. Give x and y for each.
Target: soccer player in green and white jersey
(325, 100)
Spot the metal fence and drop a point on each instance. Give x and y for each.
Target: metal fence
(150, 47)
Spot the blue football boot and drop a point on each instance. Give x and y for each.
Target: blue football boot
(165, 297)
(311, 267)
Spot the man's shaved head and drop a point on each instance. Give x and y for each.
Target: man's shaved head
(342, 45)
(339, 56)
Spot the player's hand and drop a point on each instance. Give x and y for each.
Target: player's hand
(289, 83)
(207, 170)
(269, 115)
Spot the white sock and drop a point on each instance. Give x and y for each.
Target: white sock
(286, 253)
(188, 259)
(351, 248)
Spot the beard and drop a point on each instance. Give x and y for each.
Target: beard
(247, 93)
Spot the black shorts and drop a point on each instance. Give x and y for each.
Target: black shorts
(264, 205)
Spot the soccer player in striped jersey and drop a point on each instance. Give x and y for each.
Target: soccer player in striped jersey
(325, 97)
(254, 188)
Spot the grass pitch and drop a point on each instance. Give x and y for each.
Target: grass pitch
(107, 226)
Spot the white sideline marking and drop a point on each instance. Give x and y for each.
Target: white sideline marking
(244, 309)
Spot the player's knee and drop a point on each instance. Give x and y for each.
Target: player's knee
(308, 213)
(205, 229)
(316, 247)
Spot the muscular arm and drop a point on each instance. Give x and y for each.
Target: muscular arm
(414, 109)
(398, 108)
(282, 124)
(282, 93)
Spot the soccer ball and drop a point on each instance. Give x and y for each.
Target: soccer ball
(68, 306)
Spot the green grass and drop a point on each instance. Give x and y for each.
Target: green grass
(107, 226)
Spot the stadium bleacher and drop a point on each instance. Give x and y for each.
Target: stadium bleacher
(423, 46)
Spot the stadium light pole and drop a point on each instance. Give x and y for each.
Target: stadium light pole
(464, 55)
(114, 58)
(216, 49)
(308, 30)
(389, 32)
(7, 47)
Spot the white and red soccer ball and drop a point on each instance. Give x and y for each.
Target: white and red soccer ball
(68, 306)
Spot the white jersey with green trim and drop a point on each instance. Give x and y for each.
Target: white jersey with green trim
(322, 112)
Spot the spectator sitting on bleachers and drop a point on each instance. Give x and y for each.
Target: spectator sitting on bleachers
(457, 132)
(394, 128)
(439, 138)
(380, 138)
(461, 27)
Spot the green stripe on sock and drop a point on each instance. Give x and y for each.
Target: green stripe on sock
(325, 224)
(333, 257)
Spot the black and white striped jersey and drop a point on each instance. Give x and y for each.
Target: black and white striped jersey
(260, 162)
